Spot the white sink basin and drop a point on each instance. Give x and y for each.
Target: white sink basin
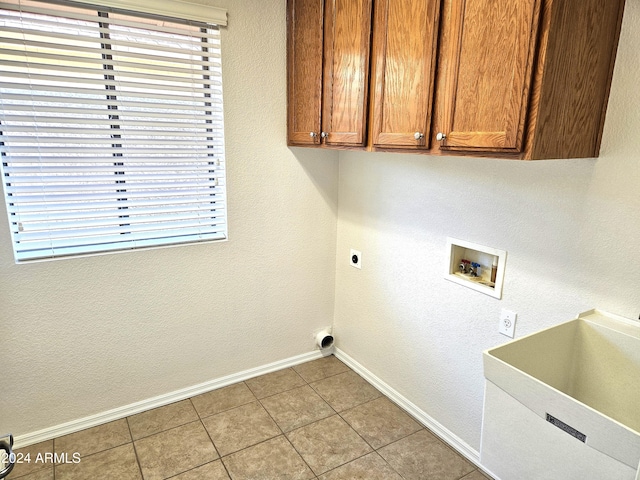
(565, 402)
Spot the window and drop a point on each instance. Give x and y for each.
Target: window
(111, 129)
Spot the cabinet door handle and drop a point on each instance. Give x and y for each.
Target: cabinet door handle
(441, 136)
(324, 134)
(418, 136)
(313, 134)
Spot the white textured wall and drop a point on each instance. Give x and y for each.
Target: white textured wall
(82, 336)
(571, 230)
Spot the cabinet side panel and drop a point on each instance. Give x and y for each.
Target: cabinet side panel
(576, 78)
(304, 64)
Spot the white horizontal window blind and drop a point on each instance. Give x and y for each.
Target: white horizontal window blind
(111, 130)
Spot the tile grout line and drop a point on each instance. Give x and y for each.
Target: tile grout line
(339, 414)
(259, 401)
(208, 435)
(282, 431)
(135, 450)
(373, 449)
(212, 443)
(343, 419)
(53, 446)
(202, 417)
(307, 384)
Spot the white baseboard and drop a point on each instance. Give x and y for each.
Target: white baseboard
(159, 401)
(449, 437)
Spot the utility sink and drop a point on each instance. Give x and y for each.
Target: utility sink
(564, 402)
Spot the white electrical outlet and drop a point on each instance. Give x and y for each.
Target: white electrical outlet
(355, 258)
(508, 323)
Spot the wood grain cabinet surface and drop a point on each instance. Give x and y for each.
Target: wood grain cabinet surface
(402, 72)
(485, 88)
(304, 70)
(328, 79)
(526, 79)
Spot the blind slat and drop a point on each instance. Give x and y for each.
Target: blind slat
(212, 43)
(78, 209)
(133, 108)
(86, 15)
(117, 243)
(144, 230)
(115, 246)
(122, 121)
(80, 198)
(95, 176)
(83, 215)
(31, 231)
(105, 239)
(41, 169)
(177, 59)
(192, 150)
(203, 133)
(122, 86)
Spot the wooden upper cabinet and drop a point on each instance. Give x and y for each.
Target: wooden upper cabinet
(304, 65)
(521, 79)
(490, 59)
(347, 40)
(328, 43)
(405, 36)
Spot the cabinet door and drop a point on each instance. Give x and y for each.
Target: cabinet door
(346, 71)
(490, 59)
(304, 88)
(404, 52)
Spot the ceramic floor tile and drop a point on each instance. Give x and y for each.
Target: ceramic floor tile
(44, 474)
(162, 418)
(119, 462)
(95, 439)
(32, 458)
(240, 427)
(327, 444)
(369, 467)
(380, 422)
(222, 399)
(345, 390)
(296, 408)
(211, 471)
(175, 451)
(321, 368)
(275, 382)
(274, 459)
(421, 456)
(476, 475)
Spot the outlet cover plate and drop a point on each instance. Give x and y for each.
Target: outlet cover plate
(508, 323)
(355, 258)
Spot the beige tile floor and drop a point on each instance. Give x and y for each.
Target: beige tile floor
(318, 420)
